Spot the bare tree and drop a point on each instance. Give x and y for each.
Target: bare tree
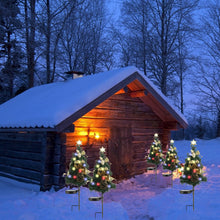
(184, 44)
(83, 37)
(154, 27)
(135, 18)
(208, 82)
(30, 26)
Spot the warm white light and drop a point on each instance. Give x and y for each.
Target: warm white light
(79, 142)
(193, 142)
(155, 135)
(97, 136)
(102, 149)
(172, 141)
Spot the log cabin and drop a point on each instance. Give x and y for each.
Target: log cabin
(119, 109)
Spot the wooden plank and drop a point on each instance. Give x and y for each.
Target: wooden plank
(171, 125)
(121, 114)
(122, 91)
(19, 178)
(43, 160)
(20, 154)
(100, 123)
(140, 155)
(138, 93)
(34, 147)
(21, 163)
(30, 174)
(136, 85)
(144, 131)
(26, 137)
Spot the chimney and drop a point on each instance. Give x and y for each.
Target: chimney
(74, 74)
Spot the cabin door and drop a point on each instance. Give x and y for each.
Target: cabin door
(120, 152)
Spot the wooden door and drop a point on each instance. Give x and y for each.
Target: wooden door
(120, 152)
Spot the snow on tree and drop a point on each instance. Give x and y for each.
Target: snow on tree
(102, 175)
(171, 161)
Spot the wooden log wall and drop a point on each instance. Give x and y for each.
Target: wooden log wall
(126, 127)
(21, 156)
(37, 157)
(54, 161)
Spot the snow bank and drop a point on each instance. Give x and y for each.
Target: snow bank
(143, 197)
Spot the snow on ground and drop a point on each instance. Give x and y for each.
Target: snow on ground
(144, 197)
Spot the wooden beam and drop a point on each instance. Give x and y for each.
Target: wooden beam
(156, 107)
(69, 129)
(171, 125)
(122, 91)
(140, 93)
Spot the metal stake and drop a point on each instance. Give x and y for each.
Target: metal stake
(102, 205)
(193, 198)
(79, 198)
(172, 179)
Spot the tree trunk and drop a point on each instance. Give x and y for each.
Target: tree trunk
(27, 38)
(218, 125)
(30, 40)
(9, 64)
(48, 35)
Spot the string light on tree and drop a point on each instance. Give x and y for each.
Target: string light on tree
(193, 173)
(171, 161)
(78, 173)
(102, 175)
(155, 154)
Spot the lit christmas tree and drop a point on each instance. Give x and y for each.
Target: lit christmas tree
(171, 161)
(155, 155)
(78, 174)
(193, 168)
(102, 180)
(193, 172)
(102, 175)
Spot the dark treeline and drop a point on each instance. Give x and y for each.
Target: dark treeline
(174, 42)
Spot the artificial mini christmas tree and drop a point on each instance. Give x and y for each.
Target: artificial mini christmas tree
(102, 180)
(171, 161)
(193, 172)
(155, 155)
(102, 175)
(78, 173)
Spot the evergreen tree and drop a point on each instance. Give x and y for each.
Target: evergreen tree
(193, 172)
(102, 180)
(78, 168)
(155, 156)
(171, 161)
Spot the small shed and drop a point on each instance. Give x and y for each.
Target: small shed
(120, 110)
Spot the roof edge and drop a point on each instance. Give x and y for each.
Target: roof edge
(68, 121)
(181, 119)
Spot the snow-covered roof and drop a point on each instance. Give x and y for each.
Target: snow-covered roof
(50, 104)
